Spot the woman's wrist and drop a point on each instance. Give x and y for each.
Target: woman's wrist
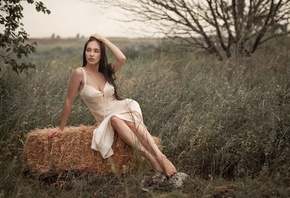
(60, 128)
(104, 40)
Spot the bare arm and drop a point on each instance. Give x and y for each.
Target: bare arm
(118, 54)
(74, 86)
(75, 83)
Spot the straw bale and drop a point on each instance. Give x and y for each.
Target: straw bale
(71, 151)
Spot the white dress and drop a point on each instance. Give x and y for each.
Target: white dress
(104, 105)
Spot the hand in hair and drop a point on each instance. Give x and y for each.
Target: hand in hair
(98, 37)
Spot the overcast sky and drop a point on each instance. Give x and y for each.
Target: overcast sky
(71, 17)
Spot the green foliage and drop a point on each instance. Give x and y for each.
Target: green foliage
(226, 124)
(13, 40)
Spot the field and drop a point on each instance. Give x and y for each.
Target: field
(226, 124)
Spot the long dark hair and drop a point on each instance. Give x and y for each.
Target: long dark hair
(105, 68)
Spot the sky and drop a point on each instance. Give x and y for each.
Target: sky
(71, 17)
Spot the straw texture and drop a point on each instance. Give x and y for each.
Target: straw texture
(71, 151)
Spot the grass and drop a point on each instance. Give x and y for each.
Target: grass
(226, 124)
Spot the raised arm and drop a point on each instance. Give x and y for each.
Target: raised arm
(118, 54)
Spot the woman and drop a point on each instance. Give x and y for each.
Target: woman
(94, 81)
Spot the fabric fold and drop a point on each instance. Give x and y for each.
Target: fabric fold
(104, 105)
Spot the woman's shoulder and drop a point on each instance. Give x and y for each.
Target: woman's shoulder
(79, 69)
(78, 72)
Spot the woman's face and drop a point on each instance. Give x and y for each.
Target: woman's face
(93, 53)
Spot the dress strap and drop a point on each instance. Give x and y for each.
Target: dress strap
(85, 75)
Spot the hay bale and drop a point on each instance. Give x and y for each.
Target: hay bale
(71, 151)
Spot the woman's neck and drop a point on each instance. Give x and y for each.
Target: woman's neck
(92, 68)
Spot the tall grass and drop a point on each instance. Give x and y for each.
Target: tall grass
(228, 120)
(218, 119)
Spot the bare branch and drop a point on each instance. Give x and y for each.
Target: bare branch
(238, 26)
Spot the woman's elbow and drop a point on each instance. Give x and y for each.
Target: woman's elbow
(123, 59)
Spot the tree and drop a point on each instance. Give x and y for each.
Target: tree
(13, 40)
(221, 27)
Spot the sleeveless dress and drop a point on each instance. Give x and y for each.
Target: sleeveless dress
(104, 105)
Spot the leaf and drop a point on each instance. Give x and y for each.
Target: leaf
(13, 38)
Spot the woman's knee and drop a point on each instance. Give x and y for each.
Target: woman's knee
(115, 120)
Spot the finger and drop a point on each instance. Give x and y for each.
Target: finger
(49, 136)
(55, 134)
(52, 134)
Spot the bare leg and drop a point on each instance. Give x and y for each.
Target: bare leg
(148, 142)
(130, 138)
(151, 150)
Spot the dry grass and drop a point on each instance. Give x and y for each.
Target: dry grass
(228, 119)
(71, 151)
